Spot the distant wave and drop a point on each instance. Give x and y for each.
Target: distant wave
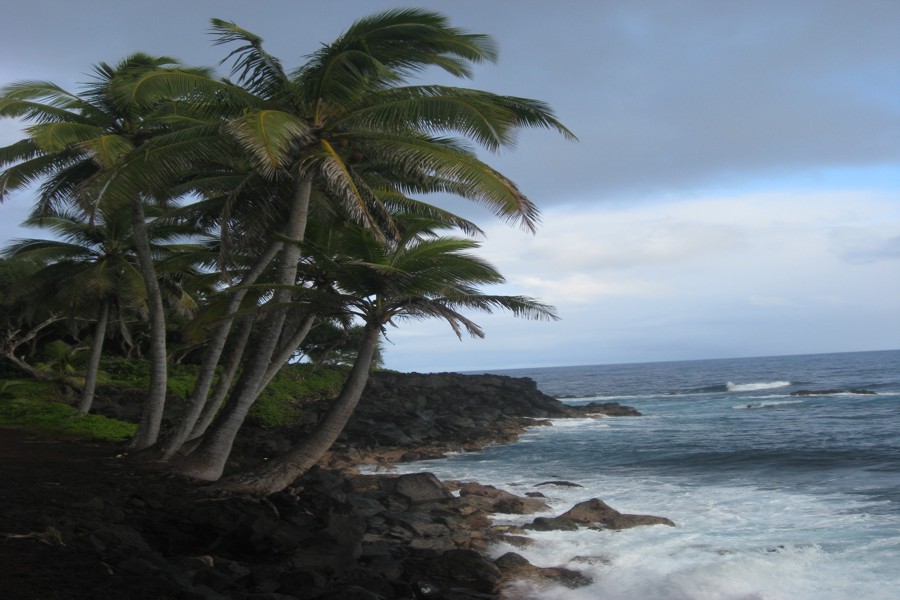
(752, 387)
(733, 387)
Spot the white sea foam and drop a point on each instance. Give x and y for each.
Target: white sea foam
(732, 541)
(752, 387)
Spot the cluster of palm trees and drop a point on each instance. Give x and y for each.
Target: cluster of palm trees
(253, 207)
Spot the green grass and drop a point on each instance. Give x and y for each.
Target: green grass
(60, 419)
(36, 405)
(282, 402)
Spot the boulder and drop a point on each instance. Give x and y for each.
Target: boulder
(552, 524)
(421, 487)
(558, 483)
(501, 501)
(596, 513)
(456, 569)
(515, 567)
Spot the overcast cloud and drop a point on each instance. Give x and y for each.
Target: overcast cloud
(735, 190)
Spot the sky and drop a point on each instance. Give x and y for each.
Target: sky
(735, 190)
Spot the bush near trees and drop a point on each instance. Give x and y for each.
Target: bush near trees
(242, 223)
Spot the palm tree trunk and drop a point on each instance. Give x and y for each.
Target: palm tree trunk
(93, 367)
(155, 402)
(287, 350)
(213, 353)
(208, 461)
(279, 473)
(220, 392)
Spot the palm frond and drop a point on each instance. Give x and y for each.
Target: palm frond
(449, 169)
(489, 119)
(268, 136)
(255, 68)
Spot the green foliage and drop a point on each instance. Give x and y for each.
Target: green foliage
(135, 373)
(60, 419)
(282, 402)
(27, 389)
(126, 372)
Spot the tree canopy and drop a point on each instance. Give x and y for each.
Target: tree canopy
(295, 193)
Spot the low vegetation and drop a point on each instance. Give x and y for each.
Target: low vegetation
(56, 418)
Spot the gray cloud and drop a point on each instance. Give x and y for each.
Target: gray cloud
(663, 95)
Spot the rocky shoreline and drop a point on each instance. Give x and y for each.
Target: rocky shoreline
(81, 523)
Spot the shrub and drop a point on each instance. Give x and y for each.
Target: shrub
(61, 419)
(282, 402)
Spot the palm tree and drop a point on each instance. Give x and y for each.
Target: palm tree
(381, 281)
(82, 148)
(344, 125)
(92, 265)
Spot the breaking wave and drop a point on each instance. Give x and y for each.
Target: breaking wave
(752, 387)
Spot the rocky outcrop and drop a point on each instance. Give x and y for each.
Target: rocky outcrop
(832, 392)
(332, 535)
(596, 513)
(514, 567)
(403, 417)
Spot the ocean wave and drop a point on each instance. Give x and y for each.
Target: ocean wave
(752, 387)
(732, 387)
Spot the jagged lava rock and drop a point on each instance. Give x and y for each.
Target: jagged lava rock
(596, 513)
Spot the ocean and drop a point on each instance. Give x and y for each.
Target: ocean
(775, 495)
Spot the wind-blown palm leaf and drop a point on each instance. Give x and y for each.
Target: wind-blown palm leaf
(489, 119)
(255, 68)
(447, 168)
(198, 92)
(268, 136)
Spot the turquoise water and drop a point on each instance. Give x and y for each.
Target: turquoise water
(775, 495)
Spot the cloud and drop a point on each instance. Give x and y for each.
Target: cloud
(701, 277)
(769, 301)
(860, 245)
(583, 288)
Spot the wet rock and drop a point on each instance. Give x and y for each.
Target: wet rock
(421, 487)
(515, 567)
(832, 392)
(609, 409)
(552, 524)
(558, 484)
(596, 513)
(456, 569)
(501, 501)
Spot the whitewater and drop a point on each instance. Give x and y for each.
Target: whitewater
(783, 483)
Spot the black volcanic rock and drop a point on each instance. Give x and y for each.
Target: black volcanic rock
(803, 393)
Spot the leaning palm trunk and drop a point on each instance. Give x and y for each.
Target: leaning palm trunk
(287, 351)
(208, 461)
(93, 367)
(213, 353)
(279, 473)
(155, 402)
(220, 392)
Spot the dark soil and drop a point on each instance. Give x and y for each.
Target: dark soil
(52, 493)
(80, 521)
